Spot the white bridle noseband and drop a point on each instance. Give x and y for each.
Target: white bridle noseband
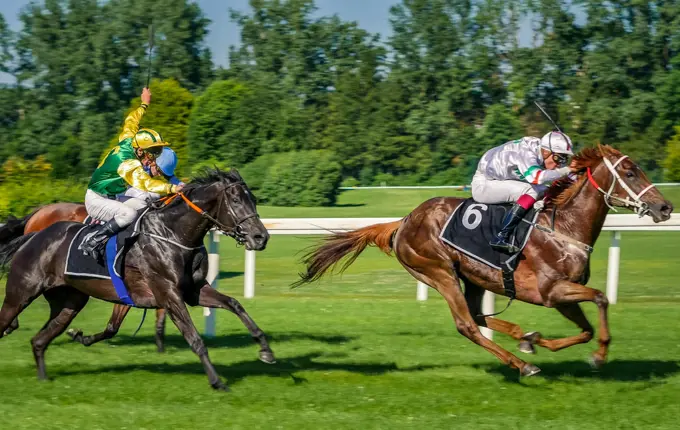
(632, 201)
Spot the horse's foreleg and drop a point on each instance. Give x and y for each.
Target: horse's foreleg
(160, 329)
(448, 285)
(180, 316)
(568, 293)
(116, 320)
(211, 298)
(474, 295)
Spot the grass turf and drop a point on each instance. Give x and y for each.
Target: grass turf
(358, 351)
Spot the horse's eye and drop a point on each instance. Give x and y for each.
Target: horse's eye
(236, 200)
(630, 174)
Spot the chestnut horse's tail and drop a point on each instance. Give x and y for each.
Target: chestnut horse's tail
(14, 228)
(339, 245)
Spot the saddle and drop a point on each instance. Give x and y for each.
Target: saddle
(84, 266)
(471, 227)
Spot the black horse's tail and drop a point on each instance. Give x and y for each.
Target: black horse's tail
(13, 228)
(8, 250)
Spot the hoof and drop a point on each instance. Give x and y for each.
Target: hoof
(528, 340)
(596, 362)
(529, 370)
(267, 357)
(527, 347)
(74, 334)
(220, 386)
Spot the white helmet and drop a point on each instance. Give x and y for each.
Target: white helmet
(558, 142)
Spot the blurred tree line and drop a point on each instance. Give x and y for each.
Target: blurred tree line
(309, 102)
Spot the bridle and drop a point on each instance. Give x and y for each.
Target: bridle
(236, 231)
(632, 201)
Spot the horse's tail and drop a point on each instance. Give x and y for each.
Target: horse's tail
(338, 245)
(14, 228)
(8, 250)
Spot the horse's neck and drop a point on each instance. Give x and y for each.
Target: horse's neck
(186, 225)
(583, 216)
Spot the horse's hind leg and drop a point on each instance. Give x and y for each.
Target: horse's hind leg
(160, 329)
(17, 298)
(117, 317)
(13, 326)
(65, 303)
(211, 298)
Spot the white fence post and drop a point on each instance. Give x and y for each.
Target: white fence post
(249, 275)
(613, 267)
(421, 291)
(488, 307)
(213, 276)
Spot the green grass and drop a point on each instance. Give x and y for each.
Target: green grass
(358, 351)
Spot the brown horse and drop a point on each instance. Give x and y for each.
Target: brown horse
(553, 265)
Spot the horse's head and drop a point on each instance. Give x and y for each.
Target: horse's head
(623, 183)
(234, 209)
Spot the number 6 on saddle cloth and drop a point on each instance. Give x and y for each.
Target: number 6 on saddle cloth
(473, 225)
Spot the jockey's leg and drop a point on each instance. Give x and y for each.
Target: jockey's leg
(522, 194)
(117, 216)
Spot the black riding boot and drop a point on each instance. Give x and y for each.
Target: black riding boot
(510, 222)
(94, 242)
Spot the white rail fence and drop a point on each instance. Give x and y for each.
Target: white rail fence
(319, 226)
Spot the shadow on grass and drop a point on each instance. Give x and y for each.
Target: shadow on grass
(226, 341)
(616, 370)
(228, 275)
(283, 368)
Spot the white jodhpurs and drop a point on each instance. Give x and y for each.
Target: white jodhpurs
(101, 208)
(136, 193)
(490, 191)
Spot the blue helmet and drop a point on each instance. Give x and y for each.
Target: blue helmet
(167, 162)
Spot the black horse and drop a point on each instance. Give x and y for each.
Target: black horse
(158, 270)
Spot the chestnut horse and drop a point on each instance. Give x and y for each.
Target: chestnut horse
(44, 217)
(553, 265)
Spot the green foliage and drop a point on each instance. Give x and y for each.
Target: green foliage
(672, 160)
(25, 185)
(221, 124)
(301, 178)
(500, 125)
(420, 107)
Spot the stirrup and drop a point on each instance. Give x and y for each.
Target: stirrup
(503, 246)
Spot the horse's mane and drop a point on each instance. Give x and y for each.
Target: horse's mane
(565, 189)
(205, 176)
(208, 176)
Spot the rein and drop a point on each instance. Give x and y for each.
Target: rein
(236, 231)
(632, 201)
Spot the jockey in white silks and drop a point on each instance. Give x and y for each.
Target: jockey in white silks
(520, 171)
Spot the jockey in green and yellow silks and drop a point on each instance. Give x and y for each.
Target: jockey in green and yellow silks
(124, 167)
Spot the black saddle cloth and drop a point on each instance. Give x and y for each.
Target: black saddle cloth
(81, 265)
(473, 225)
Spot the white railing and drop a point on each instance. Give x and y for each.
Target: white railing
(306, 226)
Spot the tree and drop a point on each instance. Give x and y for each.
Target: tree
(221, 126)
(672, 161)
